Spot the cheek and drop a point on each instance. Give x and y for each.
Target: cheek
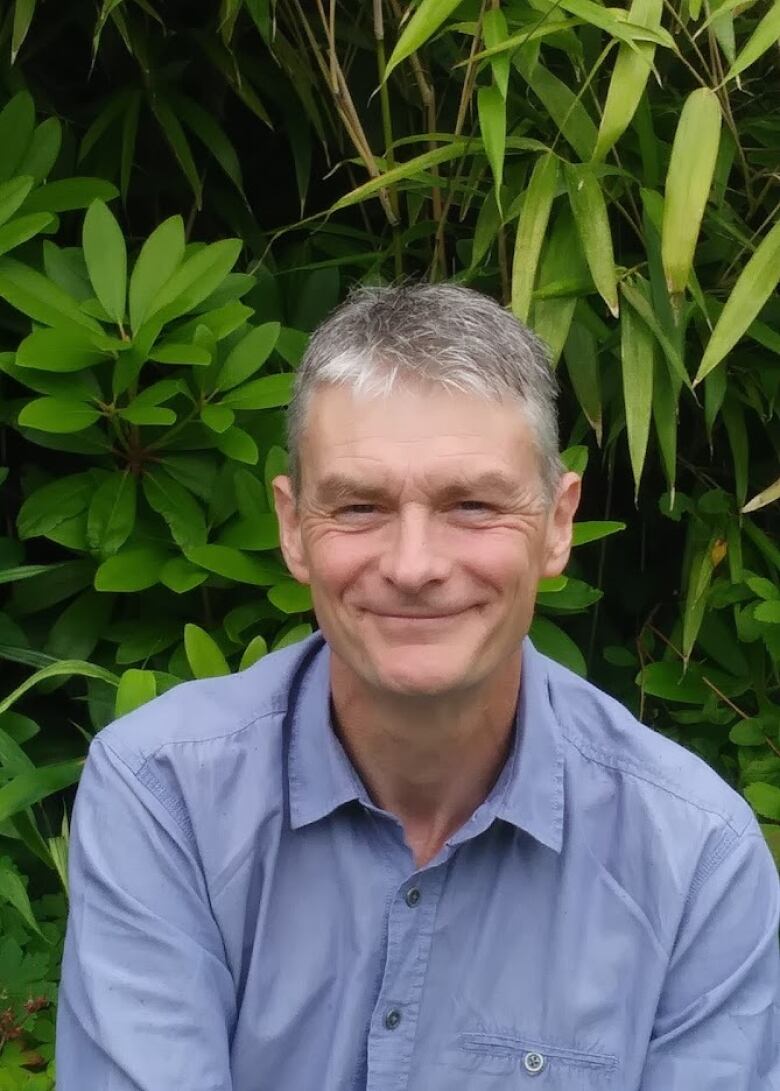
(336, 560)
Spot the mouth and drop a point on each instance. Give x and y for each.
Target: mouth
(421, 617)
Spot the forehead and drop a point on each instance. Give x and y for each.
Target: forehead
(421, 432)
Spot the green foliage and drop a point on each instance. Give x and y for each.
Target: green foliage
(610, 175)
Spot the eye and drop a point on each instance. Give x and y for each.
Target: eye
(357, 509)
(475, 505)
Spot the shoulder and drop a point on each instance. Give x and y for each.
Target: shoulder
(602, 733)
(210, 709)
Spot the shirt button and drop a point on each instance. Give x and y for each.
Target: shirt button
(533, 1063)
(392, 1019)
(412, 897)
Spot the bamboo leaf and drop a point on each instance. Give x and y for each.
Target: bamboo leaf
(636, 350)
(211, 135)
(563, 106)
(410, 169)
(424, 23)
(64, 668)
(688, 183)
(761, 499)
(665, 398)
(629, 77)
(494, 31)
(491, 108)
(531, 230)
(106, 256)
(174, 134)
(581, 355)
(129, 133)
(590, 216)
(43, 150)
(753, 288)
(736, 430)
(25, 789)
(763, 38)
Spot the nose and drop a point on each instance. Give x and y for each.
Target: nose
(412, 557)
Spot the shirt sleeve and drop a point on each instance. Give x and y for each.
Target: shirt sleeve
(717, 1025)
(146, 999)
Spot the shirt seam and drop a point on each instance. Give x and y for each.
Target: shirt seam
(609, 761)
(244, 726)
(164, 796)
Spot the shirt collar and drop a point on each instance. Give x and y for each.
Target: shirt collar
(529, 792)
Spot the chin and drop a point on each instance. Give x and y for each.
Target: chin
(418, 674)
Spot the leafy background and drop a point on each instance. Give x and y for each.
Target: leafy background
(186, 190)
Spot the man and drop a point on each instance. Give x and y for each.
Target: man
(411, 852)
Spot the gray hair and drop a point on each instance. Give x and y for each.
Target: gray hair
(444, 334)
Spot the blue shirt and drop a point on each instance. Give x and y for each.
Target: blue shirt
(243, 918)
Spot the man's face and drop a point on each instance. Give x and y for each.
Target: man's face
(423, 531)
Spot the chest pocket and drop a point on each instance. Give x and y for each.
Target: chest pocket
(530, 1063)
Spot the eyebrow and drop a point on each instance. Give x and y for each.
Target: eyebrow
(336, 488)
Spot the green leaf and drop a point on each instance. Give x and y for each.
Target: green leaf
(217, 418)
(225, 561)
(24, 790)
(106, 257)
(688, 183)
(238, 445)
(293, 635)
(265, 393)
(149, 415)
(172, 353)
(65, 668)
(111, 516)
(59, 349)
(212, 135)
(180, 576)
(667, 681)
(53, 503)
(629, 78)
(551, 640)
(76, 632)
(581, 354)
(418, 165)
(40, 298)
(134, 569)
(749, 732)
(24, 10)
(194, 280)
(13, 891)
(177, 506)
(585, 532)
(17, 121)
(135, 688)
(179, 144)
(772, 835)
(290, 597)
(426, 20)
(764, 37)
(491, 107)
(248, 356)
(753, 288)
(57, 415)
(636, 350)
(768, 612)
(43, 150)
(255, 650)
(563, 106)
(531, 231)
(159, 258)
(20, 230)
(69, 194)
(12, 195)
(255, 532)
(590, 215)
(763, 798)
(203, 653)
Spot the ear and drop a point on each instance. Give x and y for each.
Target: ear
(559, 525)
(290, 541)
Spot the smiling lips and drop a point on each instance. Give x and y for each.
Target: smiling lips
(421, 617)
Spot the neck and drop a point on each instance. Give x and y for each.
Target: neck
(428, 761)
